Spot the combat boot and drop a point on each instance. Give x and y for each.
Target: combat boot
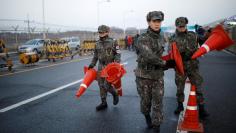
(148, 121)
(202, 111)
(115, 98)
(102, 106)
(156, 129)
(179, 108)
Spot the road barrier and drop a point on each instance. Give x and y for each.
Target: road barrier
(29, 58)
(4, 56)
(55, 49)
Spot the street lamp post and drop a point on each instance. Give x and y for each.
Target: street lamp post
(98, 3)
(44, 34)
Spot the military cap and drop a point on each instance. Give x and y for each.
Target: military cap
(103, 28)
(155, 15)
(181, 21)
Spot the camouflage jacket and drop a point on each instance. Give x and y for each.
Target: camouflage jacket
(106, 51)
(187, 44)
(149, 49)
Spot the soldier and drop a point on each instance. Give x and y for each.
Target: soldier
(149, 72)
(187, 44)
(106, 51)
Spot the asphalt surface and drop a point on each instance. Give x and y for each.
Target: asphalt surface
(62, 112)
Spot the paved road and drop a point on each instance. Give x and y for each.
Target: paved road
(63, 112)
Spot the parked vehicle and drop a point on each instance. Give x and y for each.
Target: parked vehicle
(73, 42)
(35, 45)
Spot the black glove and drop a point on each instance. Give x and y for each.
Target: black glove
(169, 64)
(90, 66)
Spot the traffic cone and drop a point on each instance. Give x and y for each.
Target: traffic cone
(190, 121)
(113, 73)
(90, 76)
(117, 85)
(175, 55)
(167, 57)
(218, 40)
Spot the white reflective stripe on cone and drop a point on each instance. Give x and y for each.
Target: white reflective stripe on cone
(119, 89)
(206, 47)
(191, 107)
(192, 93)
(84, 85)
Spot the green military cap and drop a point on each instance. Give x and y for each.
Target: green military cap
(181, 21)
(103, 28)
(155, 15)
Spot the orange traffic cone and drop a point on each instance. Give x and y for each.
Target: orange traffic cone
(190, 121)
(218, 40)
(113, 73)
(175, 55)
(90, 76)
(167, 57)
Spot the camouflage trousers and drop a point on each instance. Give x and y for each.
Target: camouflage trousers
(104, 87)
(151, 93)
(195, 79)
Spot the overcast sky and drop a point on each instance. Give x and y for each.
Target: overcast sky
(83, 13)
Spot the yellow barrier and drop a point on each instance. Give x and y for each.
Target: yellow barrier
(29, 58)
(55, 49)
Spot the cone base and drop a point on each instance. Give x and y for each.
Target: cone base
(198, 130)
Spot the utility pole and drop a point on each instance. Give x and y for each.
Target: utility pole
(28, 24)
(44, 34)
(98, 10)
(15, 29)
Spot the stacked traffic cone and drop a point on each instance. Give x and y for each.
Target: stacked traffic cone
(218, 40)
(175, 55)
(190, 121)
(113, 73)
(90, 76)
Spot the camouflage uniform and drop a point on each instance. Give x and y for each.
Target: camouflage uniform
(149, 72)
(187, 45)
(106, 51)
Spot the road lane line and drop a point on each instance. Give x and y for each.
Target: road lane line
(181, 115)
(44, 67)
(42, 95)
(228, 52)
(39, 96)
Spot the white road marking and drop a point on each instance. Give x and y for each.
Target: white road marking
(43, 67)
(228, 52)
(39, 96)
(42, 95)
(181, 115)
